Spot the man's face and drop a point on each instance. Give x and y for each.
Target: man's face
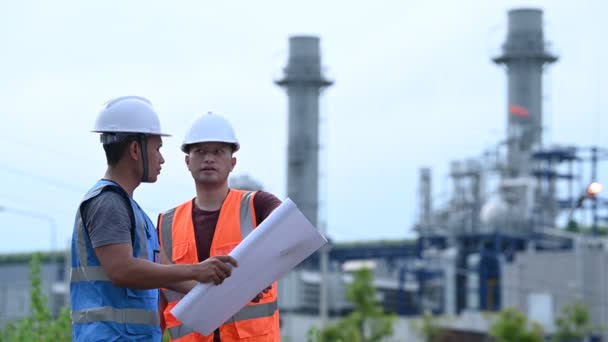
(210, 162)
(155, 158)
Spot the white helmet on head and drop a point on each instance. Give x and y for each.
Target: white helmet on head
(210, 127)
(128, 114)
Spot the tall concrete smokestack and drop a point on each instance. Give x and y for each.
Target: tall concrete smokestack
(303, 81)
(425, 194)
(524, 54)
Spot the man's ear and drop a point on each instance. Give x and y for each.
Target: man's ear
(233, 163)
(134, 150)
(187, 160)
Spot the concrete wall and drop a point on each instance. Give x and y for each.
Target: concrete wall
(555, 279)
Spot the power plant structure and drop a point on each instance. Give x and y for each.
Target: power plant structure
(504, 205)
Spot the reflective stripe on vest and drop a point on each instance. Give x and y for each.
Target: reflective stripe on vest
(91, 273)
(254, 311)
(167, 224)
(82, 246)
(246, 220)
(180, 331)
(248, 312)
(110, 314)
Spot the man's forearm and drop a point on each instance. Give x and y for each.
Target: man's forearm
(183, 286)
(143, 274)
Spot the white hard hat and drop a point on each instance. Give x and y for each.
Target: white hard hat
(128, 114)
(210, 127)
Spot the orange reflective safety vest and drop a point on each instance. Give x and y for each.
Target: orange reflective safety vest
(256, 322)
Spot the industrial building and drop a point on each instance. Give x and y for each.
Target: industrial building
(15, 284)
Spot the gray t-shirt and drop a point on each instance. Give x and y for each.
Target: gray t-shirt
(107, 219)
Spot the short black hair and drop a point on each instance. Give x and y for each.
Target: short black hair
(115, 151)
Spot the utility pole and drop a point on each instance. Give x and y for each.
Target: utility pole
(323, 284)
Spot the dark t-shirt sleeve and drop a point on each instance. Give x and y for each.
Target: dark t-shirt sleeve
(263, 204)
(107, 219)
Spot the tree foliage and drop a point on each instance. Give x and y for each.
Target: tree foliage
(573, 323)
(428, 329)
(512, 325)
(366, 323)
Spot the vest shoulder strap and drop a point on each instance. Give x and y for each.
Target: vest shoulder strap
(127, 201)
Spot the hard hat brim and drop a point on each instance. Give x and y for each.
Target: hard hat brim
(132, 132)
(185, 146)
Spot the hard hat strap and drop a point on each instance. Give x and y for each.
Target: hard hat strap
(144, 156)
(111, 137)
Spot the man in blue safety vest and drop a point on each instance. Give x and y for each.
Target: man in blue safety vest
(116, 271)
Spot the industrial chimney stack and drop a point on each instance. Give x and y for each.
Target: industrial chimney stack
(524, 53)
(303, 81)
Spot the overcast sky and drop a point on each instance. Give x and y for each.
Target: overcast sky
(414, 86)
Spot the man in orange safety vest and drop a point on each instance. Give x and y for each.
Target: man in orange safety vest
(213, 223)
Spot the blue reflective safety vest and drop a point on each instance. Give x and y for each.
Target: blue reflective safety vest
(100, 310)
